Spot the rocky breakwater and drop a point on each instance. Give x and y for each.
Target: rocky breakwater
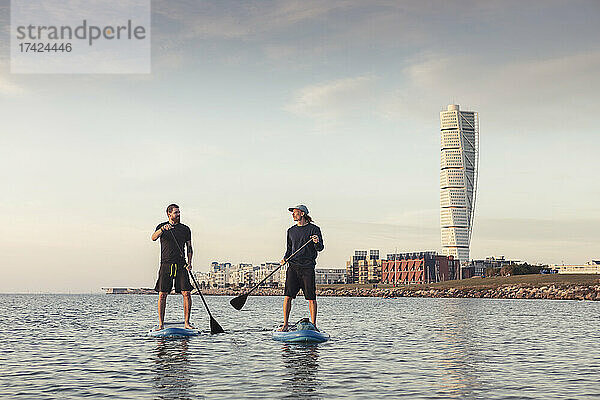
(552, 292)
(555, 291)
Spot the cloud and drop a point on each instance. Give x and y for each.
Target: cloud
(233, 20)
(292, 35)
(250, 31)
(540, 94)
(287, 33)
(537, 96)
(327, 104)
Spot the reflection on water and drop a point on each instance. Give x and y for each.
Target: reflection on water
(457, 350)
(302, 367)
(171, 367)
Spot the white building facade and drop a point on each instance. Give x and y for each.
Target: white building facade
(328, 276)
(265, 270)
(241, 275)
(592, 267)
(458, 179)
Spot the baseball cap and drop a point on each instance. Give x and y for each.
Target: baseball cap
(300, 207)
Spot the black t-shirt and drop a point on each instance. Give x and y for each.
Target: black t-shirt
(296, 237)
(169, 253)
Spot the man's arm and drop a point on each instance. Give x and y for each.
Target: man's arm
(190, 253)
(159, 230)
(319, 244)
(288, 251)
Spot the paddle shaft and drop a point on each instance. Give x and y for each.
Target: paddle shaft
(277, 269)
(201, 296)
(192, 275)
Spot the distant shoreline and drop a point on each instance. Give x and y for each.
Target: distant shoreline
(552, 287)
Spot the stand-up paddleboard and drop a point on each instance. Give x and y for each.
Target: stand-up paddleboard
(173, 330)
(302, 332)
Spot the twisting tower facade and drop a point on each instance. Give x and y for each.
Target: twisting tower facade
(458, 179)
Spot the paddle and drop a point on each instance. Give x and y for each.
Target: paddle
(214, 325)
(239, 301)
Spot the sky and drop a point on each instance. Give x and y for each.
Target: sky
(254, 106)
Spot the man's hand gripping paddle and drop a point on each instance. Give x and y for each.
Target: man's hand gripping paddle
(214, 325)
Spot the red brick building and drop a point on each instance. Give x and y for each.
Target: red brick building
(420, 267)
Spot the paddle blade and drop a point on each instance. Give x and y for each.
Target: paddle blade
(238, 302)
(215, 327)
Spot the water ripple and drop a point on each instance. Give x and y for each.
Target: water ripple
(94, 346)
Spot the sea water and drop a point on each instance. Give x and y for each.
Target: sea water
(94, 346)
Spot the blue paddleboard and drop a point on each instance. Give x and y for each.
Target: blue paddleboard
(173, 330)
(302, 332)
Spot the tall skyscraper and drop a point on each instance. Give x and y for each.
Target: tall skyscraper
(458, 179)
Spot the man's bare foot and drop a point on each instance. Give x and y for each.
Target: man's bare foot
(188, 326)
(159, 328)
(283, 328)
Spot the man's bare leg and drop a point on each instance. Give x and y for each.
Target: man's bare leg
(162, 304)
(187, 308)
(287, 307)
(312, 306)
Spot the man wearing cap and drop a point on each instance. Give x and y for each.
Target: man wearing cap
(301, 269)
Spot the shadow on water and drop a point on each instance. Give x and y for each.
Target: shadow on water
(301, 380)
(171, 365)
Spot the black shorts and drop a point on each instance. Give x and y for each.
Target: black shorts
(298, 278)
(173, 272)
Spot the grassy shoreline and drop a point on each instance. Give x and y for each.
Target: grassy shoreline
(537, 280)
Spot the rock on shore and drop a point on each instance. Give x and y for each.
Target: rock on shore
(520, 291)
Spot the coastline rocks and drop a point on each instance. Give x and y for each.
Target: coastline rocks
(519, 291)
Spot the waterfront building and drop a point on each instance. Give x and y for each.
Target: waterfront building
(202, 278)
(374, 254)
(323, 276)
(352, 266)
(216, 266)
(129, 290)
(235, 275)
(447, 268)
(458, 179)
(219, 274)
(116, 290)
(369, 270)
(592, 267)
(219, 278)
(418, 267)
(264, 270)
(241, 275)
(480, 266)
(328, 276)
